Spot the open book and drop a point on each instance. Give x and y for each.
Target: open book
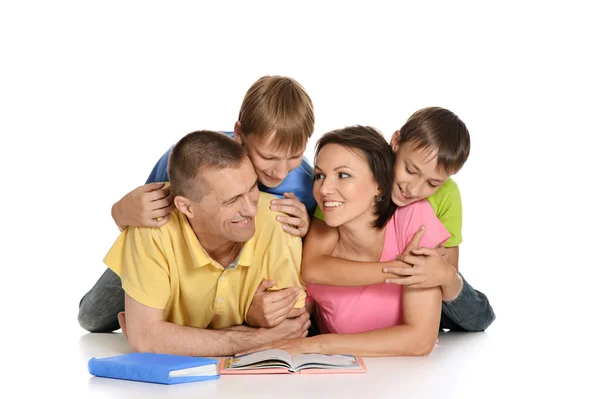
(277, 361)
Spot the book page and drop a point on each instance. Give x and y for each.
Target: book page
(206, 370)
(262, 359)
(322, 361)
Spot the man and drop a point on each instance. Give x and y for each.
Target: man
(275, 122)
(189, 285)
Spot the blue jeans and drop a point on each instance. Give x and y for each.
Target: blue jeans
(469, 311)
(98, 309)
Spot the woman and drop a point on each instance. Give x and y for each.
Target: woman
(353, 184)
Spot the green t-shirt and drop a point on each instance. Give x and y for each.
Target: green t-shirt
(447, 206)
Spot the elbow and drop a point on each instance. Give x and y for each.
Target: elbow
(141, 344)
(309, 276)
(143, 341)
(424, 348)
(422, 345)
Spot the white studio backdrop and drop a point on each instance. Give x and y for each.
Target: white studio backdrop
(92, 94)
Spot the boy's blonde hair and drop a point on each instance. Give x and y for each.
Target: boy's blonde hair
(278, 104)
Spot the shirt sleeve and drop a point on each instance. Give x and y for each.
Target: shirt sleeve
(449, 211)
(319, 213)
(137, 258)
(286, 272)
(410, 218)
(159, 173)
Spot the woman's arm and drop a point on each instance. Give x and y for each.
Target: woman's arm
(319, 267)
(417, 337)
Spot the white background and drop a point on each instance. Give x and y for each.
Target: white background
(92, 94)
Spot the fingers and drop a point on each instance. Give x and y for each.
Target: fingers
(159, 198)
(413, 260)
(406, 281)
(291, 230)
(264, 285)
(285, 296)
(161, 212)
(280, 315)
(402, 271)
(146, 188)
(290, 220)
(291, 205)
(399, 263)
(159, 222)
(422, 251)
(295, 312)
(305, 328)
(414, 243)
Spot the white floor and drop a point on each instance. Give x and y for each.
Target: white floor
(92, 94)
(490, 365)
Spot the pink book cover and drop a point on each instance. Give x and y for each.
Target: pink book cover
(224, 370)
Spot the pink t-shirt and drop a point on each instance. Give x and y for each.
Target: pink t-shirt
(372, 307)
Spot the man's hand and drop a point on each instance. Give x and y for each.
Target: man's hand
(296, 327)
(291, 346)
(269, 309)
(146, 206)
(297, 220)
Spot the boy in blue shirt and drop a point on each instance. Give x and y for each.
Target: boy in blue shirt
(275, 122)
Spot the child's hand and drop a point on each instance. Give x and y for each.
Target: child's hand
(429, 269)
(146, 206)
(297, 221)
(421, 267)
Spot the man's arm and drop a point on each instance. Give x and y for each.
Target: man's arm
(147, 331)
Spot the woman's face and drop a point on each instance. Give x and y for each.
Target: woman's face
(344, 186)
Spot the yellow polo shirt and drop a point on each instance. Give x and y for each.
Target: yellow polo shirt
(168, 269)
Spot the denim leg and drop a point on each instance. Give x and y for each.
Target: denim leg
(470, 311)
(98, 309)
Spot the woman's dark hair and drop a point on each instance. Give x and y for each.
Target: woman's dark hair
(370, 144)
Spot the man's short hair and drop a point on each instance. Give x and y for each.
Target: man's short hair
(278, 104)
(198, 151)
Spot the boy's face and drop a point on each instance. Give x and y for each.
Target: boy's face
(415, 175)
(270, 164)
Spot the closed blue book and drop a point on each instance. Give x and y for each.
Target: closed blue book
(154, 367)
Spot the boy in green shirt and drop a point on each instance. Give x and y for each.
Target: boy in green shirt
(431, 146)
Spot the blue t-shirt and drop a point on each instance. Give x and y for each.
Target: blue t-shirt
(299, 181)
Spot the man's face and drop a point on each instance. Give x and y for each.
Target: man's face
(271, 165)
(227, 209)
(415, 175)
